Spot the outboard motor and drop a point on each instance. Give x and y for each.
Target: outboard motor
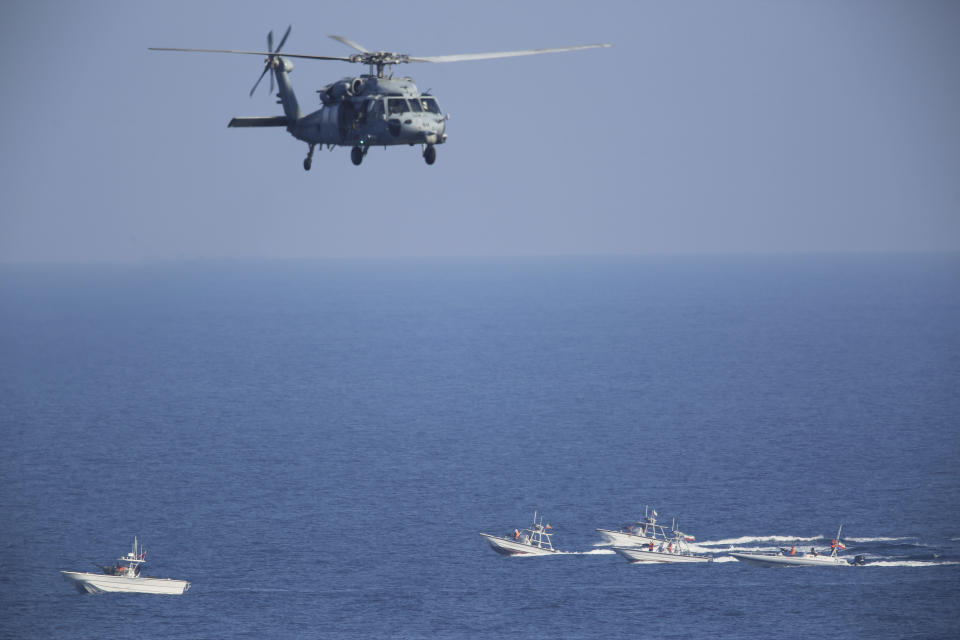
(859, 560)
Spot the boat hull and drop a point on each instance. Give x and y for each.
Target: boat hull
(508, 547)
(101, 583)
(806, 560)
(624, 539)
(645, 556)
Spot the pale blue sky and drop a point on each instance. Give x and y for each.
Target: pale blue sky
(737, 126)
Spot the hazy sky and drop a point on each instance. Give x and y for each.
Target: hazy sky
(734, 126)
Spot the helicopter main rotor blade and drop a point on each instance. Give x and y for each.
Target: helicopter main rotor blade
(270, 40)
(350, 43)
(502, 54)
(254, 53)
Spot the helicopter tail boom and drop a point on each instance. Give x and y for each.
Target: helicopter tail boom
(285, 89)
(266, 121)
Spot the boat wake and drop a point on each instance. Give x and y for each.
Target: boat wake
(866, 540)
(743, 540)
(908, 563)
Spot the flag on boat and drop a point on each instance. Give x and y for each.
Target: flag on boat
(688, 538)
(840, 545)
(548, 526)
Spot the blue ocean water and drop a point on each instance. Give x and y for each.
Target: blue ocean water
(317, 445)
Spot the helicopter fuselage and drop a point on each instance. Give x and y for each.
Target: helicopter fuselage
(359, 112)
(371, 111)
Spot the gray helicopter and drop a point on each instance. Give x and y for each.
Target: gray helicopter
(374, 109)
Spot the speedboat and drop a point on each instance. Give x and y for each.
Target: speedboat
(673, 550)
(649, 542)
(124, 577)
(794, 558)
(534, 541)
(638, 534)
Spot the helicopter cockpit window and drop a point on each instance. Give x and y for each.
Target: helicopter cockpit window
(430, 104)
(397, 105)
(415, 105)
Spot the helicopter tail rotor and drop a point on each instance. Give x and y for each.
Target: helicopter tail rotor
(271, 58)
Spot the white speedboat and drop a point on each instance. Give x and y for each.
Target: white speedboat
(124, 577)
(638, 534)
(669, 554)
(649, 542)
(534, 541)
(794, 558)
(673, 550)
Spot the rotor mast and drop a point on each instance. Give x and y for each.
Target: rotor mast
(380, 61)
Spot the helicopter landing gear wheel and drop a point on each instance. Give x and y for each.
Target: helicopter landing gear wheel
(356, 155)
(430, 154)
(308, 160)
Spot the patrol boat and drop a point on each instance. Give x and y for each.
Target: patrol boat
(640, 533)
(674, 549)
(124, 577)
(792, 558)
(534, 541)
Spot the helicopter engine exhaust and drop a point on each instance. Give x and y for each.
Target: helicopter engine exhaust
(337, 91)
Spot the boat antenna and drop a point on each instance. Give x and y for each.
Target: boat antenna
(836, 547)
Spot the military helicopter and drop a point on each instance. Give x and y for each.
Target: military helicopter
(374, 109)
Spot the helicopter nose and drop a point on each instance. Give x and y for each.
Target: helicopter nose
(436, 134)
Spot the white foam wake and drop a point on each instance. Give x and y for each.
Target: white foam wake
(878, 539)
(908, 563)
(748, 539)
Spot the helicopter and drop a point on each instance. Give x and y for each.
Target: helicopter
(373, 109)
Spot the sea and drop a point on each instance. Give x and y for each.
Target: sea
(317, 445)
